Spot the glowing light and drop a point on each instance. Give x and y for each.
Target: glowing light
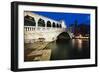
(80, 44)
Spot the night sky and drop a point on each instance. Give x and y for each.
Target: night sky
(69, 18)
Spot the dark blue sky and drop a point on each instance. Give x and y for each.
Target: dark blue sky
(69, 18)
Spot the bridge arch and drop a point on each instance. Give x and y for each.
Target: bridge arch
(63, 35)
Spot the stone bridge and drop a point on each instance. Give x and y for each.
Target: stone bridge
(40, 28)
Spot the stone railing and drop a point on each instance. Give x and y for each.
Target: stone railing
(32, 28)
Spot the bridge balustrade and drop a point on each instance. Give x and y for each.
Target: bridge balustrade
(32, 28)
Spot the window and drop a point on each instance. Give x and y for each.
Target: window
(48, 24)
(41, 22)
(54, 24)
(60, 26)
(57, 25)
(29, 21)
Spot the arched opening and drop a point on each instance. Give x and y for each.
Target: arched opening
(64, 37)
(41, 22)
(48, 24)
(57, 25)
(29, 21)
(53, 24)
(60, 26)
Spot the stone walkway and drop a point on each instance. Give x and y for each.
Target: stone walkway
(38, 51)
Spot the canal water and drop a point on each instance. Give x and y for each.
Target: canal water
(57, 50)
(71, 49)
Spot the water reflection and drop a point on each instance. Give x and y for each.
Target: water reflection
(78, 43)
(73, 49)
(58, 50)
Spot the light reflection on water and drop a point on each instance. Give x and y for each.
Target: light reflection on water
(63, 50)
(75, 49)
(78, 43)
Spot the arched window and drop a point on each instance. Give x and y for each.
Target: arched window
(41, 22)
(53, 24)
(27, 16)
(29, 21)
(57, 25)
(48, 24)
(60, 26)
